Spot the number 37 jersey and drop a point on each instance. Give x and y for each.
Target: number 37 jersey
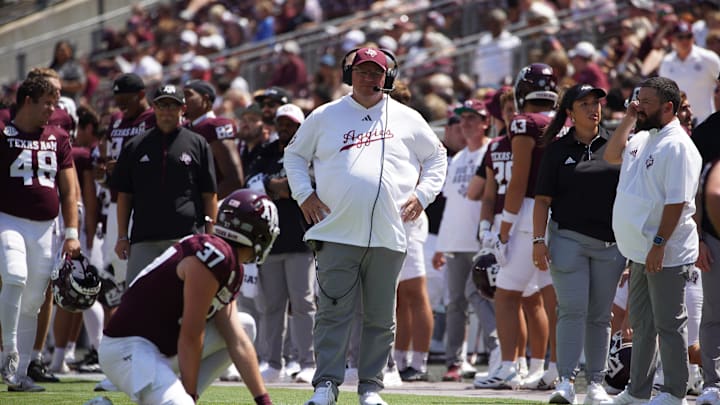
(30, 163)
(152, 306)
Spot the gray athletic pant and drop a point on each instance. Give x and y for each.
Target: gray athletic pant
(345, 275)
(585, 273)
(656, 302)
(458, 268)
(710, 323)
(143, 253)
(288, 277)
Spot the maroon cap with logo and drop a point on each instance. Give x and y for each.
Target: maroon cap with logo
(370, 55)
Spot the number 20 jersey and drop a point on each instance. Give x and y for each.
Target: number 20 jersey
(152, 306)
(30, 163)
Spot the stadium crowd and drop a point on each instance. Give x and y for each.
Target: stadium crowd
(546, 230)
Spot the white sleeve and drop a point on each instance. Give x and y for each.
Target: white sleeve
(682, 173)
(298, 155)
(433, 165)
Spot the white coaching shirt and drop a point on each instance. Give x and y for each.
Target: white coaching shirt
(349, 146)
(461, 216)
(658, 168)
(696, 76)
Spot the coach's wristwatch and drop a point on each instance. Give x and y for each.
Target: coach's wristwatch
(658, 240)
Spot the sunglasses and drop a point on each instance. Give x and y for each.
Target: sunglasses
(684, 36)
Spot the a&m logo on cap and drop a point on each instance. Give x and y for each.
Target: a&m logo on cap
(371, 52)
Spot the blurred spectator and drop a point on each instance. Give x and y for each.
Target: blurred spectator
(327, 80)
(560, 63)
(494, 55)
(709, 19)
(290, 72)
(146, 66)
(209, 40)
(340, 8)
(352, 40)
(268, 101)
(712, 42)
(72, 75)
(694, 69)
(587, 71)
(198, 68)
(292, 16)
(265, 18)
(685, 114)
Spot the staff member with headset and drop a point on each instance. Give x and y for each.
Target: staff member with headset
(584, 261)
(376, 164)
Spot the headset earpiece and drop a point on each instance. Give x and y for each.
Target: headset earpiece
(390, 74)
(347, 67)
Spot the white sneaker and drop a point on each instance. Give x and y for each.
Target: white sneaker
(658, 379)
(305, 375)
(596, 394)
(531, 380)
(546, 381)
(522, 367)
(292, 368)
(9, 368)
(467, 370)
(709, 396)
(231, 374)
(612, 390)
(371, 398)
(105, 385)
(695, 382)
(391, 378)
(504, 377)
(564, 393)
(323, 395)
(25, 384)
(62, 369)
(263, 366)
(271, 375)
(351, 376)
(624, 398)
(665, 398)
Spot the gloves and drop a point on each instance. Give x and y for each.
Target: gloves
(500, 249)
(487, 240)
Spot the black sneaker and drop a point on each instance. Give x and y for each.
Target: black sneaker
(411, 375)
(40, 373)
(89, 364)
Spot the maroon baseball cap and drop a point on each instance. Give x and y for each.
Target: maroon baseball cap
(370, 55)
(472, 105)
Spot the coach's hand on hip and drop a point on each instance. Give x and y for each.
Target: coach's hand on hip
(314, 210)
(412, 209)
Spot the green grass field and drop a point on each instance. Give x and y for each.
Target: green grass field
(77, 392)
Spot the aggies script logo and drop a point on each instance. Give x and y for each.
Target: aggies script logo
(351, 138)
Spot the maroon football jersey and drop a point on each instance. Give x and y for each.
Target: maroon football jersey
(152, 306)
(532, 125)
(59, 117)
(83, 160)
(30, 163)
(499, 159)
(215, 129)
(121, 130)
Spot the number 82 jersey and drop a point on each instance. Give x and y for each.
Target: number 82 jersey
(30, 163)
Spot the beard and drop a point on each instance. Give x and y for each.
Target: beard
(649, 122)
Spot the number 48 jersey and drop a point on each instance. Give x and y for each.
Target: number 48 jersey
(152, 306)
(30, 163)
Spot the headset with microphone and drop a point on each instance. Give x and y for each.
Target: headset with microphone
(390, 73)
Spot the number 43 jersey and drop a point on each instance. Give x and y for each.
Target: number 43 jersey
(152, 306)
(30, 163)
